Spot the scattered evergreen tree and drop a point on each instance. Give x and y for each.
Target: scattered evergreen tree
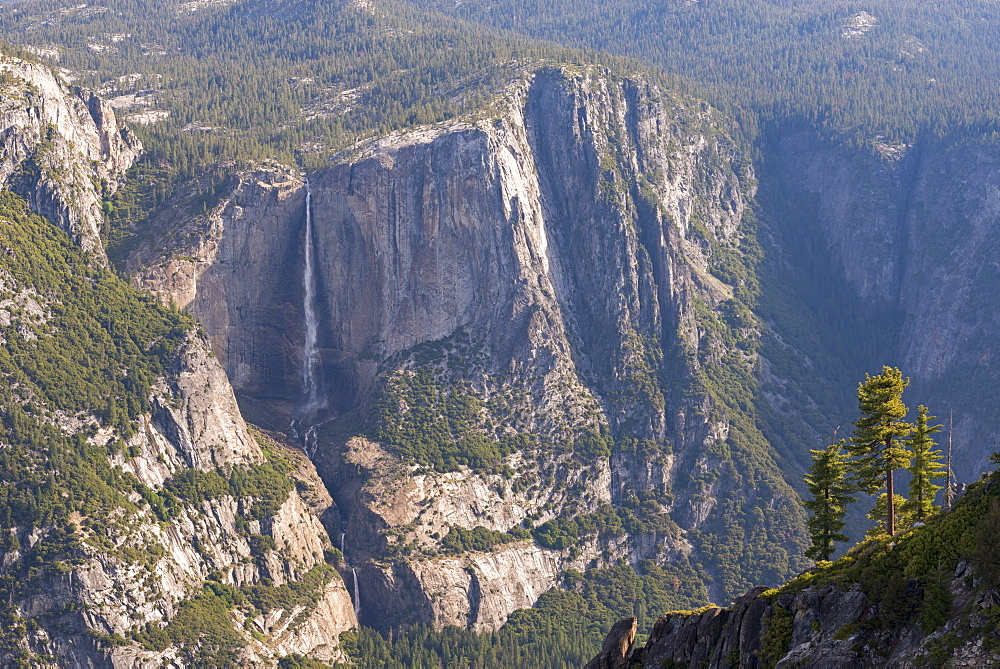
(830, 488)
(925, 467)
(880, 513)
(878, 449)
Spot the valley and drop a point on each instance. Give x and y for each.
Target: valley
(459, 333)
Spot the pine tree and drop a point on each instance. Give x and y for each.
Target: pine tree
(830, 489)
(925, 467)
(877, 449)
(880, 513)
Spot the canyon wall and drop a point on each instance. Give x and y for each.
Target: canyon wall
(904, 234)
(556, 263)
(180, 513)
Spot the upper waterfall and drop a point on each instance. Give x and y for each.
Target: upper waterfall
(310, 350)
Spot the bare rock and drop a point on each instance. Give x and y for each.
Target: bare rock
(617, 644)
(62, 150)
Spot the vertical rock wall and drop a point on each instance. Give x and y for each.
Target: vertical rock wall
(567, 241)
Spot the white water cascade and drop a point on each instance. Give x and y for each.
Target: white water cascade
(304, 425)
(354, 573)
(357, 594)
(310, 350)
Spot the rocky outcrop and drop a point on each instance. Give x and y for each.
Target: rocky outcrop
(150, 569)
(614, 654)
(716, 637)
(400, 507)
(195, 409)
(62, 149)
(825, 626)
(914, 600)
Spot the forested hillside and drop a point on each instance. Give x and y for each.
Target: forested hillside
(292, 81)
(898, 69)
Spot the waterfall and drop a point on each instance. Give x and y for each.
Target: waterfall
(357, 594)
(309, 441)
(304, 423)
(310, 350)
(342, 545)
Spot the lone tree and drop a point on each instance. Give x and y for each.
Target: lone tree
(926, 466)
(830, 489)
(877, 449)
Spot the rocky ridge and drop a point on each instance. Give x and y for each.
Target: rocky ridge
(63, 149)
(211, 540)
(927, 598)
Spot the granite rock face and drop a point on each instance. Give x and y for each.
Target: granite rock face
(62, 149)
(114, 577)
(556, 259)
(236, 268)
(820, 626)
(614, 654)
(108, 593)
(908, 232)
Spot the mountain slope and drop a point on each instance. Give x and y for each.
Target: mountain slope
(559, 319)
(479, 377)
(143, 522)
(63, 149)
(893, 68)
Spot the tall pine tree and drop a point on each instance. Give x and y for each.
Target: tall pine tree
(830, 489)
(878, 448)
(925, 467)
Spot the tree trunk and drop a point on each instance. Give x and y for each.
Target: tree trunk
(890, 502)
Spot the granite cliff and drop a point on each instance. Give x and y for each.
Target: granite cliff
(890, 247)
(577, 327)
(63, 149)
(117, 582)
(554, 288)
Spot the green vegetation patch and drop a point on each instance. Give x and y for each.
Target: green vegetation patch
(565, 532)
(426, 422)
(305, 592)
(83, 344)
(98, 343)
(459, 540)
(776, 637)
(203, 628)
(925, 557)
(267, 483)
